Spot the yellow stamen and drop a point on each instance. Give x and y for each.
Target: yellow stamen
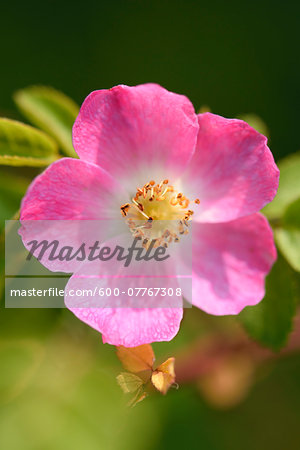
(158, 202)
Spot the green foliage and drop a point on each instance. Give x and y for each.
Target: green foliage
(23, 145)
(12, 189)
(270, 322)
(289, 187)
(291, 216)
(288, 235)
(50, 110)
(288, 241)
(284, 211)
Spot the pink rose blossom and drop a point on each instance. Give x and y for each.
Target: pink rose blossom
(220, 169)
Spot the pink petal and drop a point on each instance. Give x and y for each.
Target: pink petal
(144, 131)
(133, 327)
(123, 325)
(230, 262)
(73, 202)
(232, 172)
(126, 318)
(71, 189)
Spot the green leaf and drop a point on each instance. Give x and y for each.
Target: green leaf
(129, 382)
(288, 235)
(291, 216)
(289, 186)
(12, 189)
(288, 241)
(50, 110)
(23, 145)
(271, 321)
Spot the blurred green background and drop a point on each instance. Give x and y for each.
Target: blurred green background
(57, 380)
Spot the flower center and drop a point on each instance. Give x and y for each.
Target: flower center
(158, 212)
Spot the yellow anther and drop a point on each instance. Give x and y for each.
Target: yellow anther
(158, 202)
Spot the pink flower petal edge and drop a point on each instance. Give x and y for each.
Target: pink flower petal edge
(71, 189)
(141, 131)
(66, 203)
(155, 325)
(127, 326)
(232, 171)
(128, 320)
(230, 262)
